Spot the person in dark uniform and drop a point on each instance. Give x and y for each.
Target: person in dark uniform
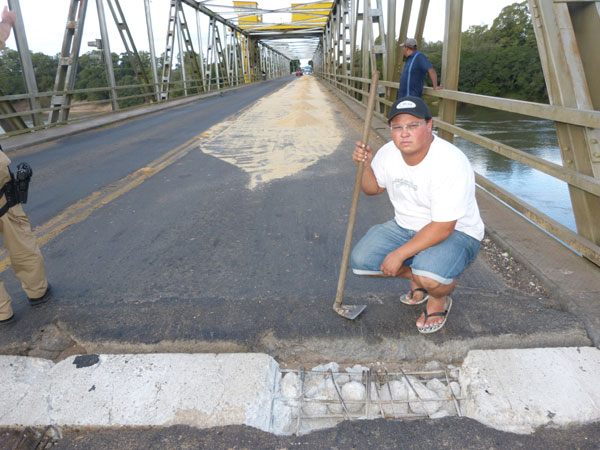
(416, 66)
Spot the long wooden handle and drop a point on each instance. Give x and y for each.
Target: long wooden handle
(356, 193)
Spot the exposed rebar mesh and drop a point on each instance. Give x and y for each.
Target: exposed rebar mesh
(322, 398)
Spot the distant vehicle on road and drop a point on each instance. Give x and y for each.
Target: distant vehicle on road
(307, 72)
(298, 73)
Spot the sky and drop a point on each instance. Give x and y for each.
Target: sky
(45, 21)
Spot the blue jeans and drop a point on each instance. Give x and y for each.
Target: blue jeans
(443, 262)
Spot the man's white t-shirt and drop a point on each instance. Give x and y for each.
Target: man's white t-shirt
(441, 188)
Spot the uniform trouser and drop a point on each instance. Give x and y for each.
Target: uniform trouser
(25, 257)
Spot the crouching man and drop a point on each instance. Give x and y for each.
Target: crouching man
(437, 230)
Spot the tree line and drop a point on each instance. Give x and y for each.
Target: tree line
(91, 73)
(501, 60)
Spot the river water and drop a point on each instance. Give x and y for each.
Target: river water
(536, 136)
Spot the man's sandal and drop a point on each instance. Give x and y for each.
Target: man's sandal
(438, 326)
(407, 301)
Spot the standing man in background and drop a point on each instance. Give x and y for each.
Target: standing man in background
(416, 65)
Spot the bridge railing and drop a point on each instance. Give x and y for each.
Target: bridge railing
(176, 88)
(357, 89)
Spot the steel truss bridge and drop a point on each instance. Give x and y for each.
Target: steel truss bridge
(348, 40)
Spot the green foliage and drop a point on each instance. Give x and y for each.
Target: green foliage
(11, 76)
(501, 61)
(91, 73)
(513, 26)
(45, 71)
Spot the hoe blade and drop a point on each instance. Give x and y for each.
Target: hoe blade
(350, 312)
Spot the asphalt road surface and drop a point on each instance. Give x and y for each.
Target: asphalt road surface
(152, 240)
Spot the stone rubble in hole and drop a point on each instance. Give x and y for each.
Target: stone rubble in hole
(320, 406)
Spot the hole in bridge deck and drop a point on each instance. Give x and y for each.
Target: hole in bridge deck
(324, 396)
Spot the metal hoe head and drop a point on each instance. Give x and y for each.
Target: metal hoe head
(350, 312)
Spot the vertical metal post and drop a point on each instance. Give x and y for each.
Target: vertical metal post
(399, 56)
(248, 59)
(267, 59)
(216, 53)
(340, 38)
(451, 62)
(330, 55)
(261, 56)
(391, 41)
(333, 31)
(336, 35)
(227, 55)
(200, 52)
(354, 17)
(167, 65)
(254, 60)
(181, 49)
(421, 22)
(346, 39)
(26, 64)
(67, 62)
(152, 50)
(236, 58)
(379, 50)
(570, 60)
(326, 51)
(403, 33)
(365, 49)
(110, 74)
(245, 58)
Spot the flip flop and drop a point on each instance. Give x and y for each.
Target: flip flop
(404, 298)
(436, 327)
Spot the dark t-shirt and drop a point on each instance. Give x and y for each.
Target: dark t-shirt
(412, 79)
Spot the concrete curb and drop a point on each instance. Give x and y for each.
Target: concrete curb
(521, 390)
(509, 390)
(200, 390)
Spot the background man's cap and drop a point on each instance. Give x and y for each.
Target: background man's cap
(414, 106)
(410, 43)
